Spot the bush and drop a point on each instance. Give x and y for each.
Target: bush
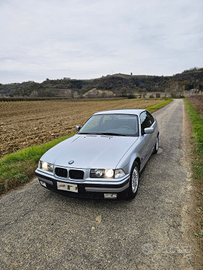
(130, 96)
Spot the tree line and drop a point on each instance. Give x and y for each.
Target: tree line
(119, 84)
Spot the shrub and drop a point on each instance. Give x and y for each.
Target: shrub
(130, 96)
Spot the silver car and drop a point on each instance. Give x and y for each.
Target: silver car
(105, 158)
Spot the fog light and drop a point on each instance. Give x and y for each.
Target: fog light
(110, 195)
(43, 184)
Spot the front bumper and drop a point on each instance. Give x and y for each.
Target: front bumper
(94, 190)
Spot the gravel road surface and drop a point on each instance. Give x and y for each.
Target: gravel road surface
(44, 230)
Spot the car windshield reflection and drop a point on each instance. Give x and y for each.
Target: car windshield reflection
(111, 124)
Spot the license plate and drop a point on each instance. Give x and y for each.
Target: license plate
(67, 187)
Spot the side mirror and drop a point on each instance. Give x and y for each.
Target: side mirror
(149, 130)
(78, 128)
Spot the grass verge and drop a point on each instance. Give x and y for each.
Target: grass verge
(197, 136)
(159, 106)
(18, 168)
(197, 167)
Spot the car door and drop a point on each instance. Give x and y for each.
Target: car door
(147, 140)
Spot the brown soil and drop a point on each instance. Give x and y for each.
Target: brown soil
(28, 123)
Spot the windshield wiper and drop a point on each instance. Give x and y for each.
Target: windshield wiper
(112, 134)
(86, 133)
(103, 133)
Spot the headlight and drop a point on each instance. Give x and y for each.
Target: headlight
(106, 173)
(46, 166)
(109, 173)
(97, 173)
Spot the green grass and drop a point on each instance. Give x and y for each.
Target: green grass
(197, 136)
(18, 168)
(159, 106)
(197, 171)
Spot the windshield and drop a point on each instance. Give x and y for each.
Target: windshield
(111, 124)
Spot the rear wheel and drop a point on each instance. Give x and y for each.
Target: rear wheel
(134, 181)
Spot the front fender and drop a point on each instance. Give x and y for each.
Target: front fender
(128, 159)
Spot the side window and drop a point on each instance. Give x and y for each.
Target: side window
(150, 119)
(146, 120)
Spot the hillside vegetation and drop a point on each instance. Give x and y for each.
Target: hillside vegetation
(118, 84)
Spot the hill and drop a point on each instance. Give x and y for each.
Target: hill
(118, 84)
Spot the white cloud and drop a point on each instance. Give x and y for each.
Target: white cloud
(88, 39)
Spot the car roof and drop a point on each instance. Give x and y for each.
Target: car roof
(122, 111)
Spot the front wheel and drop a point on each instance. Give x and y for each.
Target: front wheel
(156, 147)
(134, 181)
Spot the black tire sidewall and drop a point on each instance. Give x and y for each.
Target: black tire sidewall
(156, 150)
(131, 194)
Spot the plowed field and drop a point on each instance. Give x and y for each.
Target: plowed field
(28, 123)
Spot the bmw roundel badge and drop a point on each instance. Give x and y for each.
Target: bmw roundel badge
(71, 162)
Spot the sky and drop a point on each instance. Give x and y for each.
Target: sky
(87, 39)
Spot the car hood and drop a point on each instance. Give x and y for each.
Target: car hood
(89, 151)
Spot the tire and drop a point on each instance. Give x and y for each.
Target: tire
(134, 181)
(156, 147)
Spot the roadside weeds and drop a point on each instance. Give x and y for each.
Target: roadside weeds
(195, 207)
(18, 168)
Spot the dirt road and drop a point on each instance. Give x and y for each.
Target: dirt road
(44, 230)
